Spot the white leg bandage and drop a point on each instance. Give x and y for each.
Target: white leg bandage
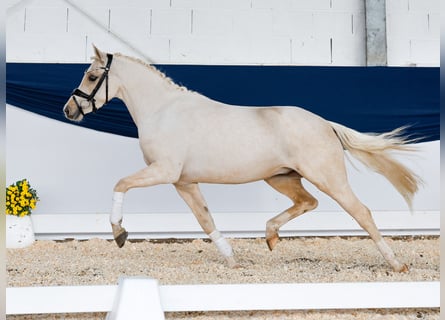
(116, 211)
(221, 243)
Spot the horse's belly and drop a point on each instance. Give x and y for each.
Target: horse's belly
(233, 170)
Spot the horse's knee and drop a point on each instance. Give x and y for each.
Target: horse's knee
(121, 185)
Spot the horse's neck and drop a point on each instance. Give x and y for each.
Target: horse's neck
(142, 89)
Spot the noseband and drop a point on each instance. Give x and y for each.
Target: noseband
(90, 97)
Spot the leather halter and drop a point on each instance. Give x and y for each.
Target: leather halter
(90, 97)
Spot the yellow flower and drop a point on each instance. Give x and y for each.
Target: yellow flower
(20, 198)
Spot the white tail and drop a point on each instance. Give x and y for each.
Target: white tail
(374, 150)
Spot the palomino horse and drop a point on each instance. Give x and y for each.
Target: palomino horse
(187, 138)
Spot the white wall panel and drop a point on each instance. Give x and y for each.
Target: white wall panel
(423, 51)
(349, 5)
(412, 24)
(171, 22)
(251, 23)
(55, 20)
(116, 3)
(269, 50)
(211, 4)
(400, 56)
(209, 50)
(131, 22)
(313, 5)
(423, 5)
(434, 25)
(333, 24)
(396, 6)
(38, 47)
(15, 22)
(347, 48)
(138, 4)
(213, 22)
(409, 25)
(292, 23)
(98, 23)
(311, 51)
(358, 27)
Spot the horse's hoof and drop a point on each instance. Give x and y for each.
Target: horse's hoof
(232, 263)
(272, 242)
(121, 238)
(404, 268)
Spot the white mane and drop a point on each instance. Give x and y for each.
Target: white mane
(153, 69)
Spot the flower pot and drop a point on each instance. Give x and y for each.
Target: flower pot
(19, 231)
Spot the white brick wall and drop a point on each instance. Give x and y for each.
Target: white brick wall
(171, 22)
(128, 20)
(190, 31)
(413, 32)
(296, 32)
(55, 17)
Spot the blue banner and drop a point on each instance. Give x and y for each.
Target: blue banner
(368, 99)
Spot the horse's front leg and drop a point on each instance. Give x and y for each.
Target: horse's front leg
(120, 234)
(156, 173)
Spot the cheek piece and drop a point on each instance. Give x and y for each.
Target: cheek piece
(90, 97)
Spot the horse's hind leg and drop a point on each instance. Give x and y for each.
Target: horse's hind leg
(289, 185)
(346, 198)
(330, 177)
(194, 199)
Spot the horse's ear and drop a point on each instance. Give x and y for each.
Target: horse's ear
(99, 55)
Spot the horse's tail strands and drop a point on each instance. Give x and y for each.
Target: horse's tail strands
(374, 151)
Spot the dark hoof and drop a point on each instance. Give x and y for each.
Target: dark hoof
(120, 239)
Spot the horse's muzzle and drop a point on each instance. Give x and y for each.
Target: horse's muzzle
(71, 111)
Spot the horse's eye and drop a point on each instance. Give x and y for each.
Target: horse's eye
(92, 78)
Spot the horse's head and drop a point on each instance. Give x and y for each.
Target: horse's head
(94, 90)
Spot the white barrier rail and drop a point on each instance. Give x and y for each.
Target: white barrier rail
(115, 299)
(232, 224)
